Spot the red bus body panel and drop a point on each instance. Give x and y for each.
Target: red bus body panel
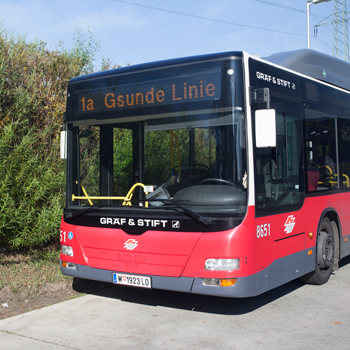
(156, 252)
(183, 254)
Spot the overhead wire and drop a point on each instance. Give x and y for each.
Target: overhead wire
(267, 2)
(315, 16)
(279, 5)
(324, 43)
(205, 18)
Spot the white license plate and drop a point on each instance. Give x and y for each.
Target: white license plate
(132, 280)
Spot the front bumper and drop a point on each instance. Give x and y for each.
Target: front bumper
(245, 286)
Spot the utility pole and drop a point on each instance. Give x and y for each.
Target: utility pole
(340, 29)
(308, 3)
(339, 20)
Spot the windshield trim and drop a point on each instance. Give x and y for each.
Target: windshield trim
(222, 143)
(145, 117)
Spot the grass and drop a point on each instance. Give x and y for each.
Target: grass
(31, 280)
(29, 272)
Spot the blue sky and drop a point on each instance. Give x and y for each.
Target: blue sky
(141, 33)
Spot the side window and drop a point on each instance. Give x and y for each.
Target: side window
(278, 170)
(344, 140)
(321, 151)
(344, 130)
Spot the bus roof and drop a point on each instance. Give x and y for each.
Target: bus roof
(312, 63)
(157, 64)
(316, 65)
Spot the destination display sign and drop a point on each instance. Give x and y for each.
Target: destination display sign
(194, 86)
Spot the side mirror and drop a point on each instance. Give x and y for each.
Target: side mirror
(265, 128)
(63, 145)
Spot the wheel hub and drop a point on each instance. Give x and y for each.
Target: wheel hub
(325, 250)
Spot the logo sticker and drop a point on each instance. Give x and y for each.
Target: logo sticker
(70, 235)
(131, 244)
(175, 224)
(289, 225)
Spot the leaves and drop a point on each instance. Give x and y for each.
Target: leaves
(33, 84)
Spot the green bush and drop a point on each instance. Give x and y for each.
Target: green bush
(33, 83)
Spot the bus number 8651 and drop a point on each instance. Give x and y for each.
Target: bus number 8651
(263, 230)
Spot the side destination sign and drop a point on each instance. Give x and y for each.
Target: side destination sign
(197, 85)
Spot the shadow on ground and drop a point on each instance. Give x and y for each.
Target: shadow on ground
(185, 301)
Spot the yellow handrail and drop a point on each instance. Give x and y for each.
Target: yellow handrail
(345, 182)
(74, 197)
(86, 195)
(126, 199)
(131, 193)
(328, 168)
(330, 173)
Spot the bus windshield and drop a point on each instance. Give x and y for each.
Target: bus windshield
(143, 158)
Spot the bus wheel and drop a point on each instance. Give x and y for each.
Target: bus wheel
(324, 255)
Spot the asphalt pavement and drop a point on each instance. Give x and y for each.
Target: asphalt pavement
(294, 316)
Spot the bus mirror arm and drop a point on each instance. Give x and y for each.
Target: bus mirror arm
(260, 96)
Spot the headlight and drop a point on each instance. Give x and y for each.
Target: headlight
(67, 250)
(211, 264)
(222, 264)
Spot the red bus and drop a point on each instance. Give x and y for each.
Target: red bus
(222, 174)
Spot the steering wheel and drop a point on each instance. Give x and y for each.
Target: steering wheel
(218, 180)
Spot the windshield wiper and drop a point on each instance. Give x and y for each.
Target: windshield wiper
(70, 216)
(203, 219)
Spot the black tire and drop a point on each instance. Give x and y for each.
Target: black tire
(324, 255)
